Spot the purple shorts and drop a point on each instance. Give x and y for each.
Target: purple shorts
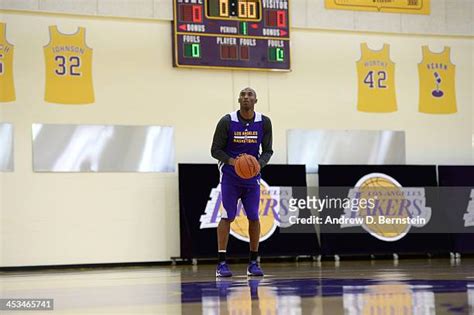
(249, 196)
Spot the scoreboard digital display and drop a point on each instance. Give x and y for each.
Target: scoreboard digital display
(232, 34)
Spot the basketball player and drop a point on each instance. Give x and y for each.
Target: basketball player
(242, 131)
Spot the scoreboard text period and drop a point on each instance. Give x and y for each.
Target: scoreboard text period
(236, 34)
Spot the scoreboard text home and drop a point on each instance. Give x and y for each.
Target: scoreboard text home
(236, 34)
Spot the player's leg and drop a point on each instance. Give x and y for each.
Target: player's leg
(251, 202)
(230, 195)
(223, 229)
(254, 233)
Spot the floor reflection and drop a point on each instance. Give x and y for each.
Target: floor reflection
(396, 298)
(350, 296)
(355, 287)
(251, 296)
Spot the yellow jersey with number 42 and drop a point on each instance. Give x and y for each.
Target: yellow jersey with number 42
(376, 76)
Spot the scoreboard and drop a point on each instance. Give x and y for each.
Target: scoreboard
(232, 34)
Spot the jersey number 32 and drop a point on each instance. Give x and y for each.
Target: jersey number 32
(68, 66)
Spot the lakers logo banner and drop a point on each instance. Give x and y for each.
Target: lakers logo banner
(469, 216)
(394, 209)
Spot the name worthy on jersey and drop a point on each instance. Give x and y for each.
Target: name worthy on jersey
(68, 68)
(7, 86)
(376, 76)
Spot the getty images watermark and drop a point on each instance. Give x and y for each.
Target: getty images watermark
(380, 207)
(377, 203)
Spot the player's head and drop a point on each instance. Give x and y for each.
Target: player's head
(247, 99)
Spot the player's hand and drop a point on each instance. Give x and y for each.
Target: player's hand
(232, 160)
(259, 168)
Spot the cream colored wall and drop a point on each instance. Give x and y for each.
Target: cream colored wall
(52, 219)
(447, 17)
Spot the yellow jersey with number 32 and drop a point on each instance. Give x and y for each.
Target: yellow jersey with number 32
(68, 68)
(437, 86)
(376, 76)
(7, 86)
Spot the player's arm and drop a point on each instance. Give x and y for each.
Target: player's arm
(219, 141)
(267, 142)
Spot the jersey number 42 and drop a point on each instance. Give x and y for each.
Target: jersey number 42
(377, 80)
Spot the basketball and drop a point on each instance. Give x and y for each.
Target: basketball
(246, 166)
(389, 195)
